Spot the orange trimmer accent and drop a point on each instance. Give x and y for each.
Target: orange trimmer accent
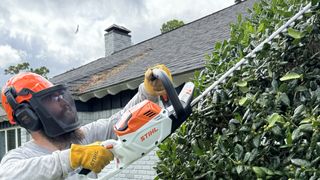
(136, 117)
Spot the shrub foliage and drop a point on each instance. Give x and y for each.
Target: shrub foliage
(264, 120)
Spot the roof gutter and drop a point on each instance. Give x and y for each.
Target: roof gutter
(131, 84)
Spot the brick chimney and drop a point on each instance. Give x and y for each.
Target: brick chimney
(116, 38)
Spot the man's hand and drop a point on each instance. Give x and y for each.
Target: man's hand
(155, 87)
(93, 156)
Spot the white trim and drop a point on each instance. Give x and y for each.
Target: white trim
(16, 138)
(6, 141)
(9, 128)
(131, 84)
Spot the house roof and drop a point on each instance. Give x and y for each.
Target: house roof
(182, 50)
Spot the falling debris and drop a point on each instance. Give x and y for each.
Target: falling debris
(77, 30)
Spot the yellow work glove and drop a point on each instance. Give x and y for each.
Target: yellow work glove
(93, 156)
(155, 87)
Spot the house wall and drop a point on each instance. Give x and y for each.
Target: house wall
(87, 117)
(141, 169)
(25, 136)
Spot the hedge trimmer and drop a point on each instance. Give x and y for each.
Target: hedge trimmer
(146, 125)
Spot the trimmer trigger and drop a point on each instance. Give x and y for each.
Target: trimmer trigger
(109, 146)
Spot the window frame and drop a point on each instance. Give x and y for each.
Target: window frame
(6, 137)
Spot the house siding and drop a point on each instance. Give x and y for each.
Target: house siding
(141, 169)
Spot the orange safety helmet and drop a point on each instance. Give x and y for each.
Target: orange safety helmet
(28, 80)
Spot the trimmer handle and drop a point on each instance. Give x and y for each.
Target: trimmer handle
(105, 144)
(85, 171)
(171, 91)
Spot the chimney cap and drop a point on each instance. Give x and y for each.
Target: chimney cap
(118, 28)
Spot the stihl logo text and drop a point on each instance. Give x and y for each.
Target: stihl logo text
(148, 134)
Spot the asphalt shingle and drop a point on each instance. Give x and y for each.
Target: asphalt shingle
(182, 50)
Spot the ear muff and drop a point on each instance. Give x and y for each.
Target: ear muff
(23, 113)
(27, 118)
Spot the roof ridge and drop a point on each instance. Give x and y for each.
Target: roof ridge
(185, 25)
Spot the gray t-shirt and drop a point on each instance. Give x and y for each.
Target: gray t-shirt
(31, 161)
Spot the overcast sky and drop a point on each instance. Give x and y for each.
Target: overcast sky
(42, 32)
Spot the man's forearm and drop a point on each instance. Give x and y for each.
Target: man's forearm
(53, 166)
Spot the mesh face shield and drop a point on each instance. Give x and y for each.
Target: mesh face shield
(56, 109)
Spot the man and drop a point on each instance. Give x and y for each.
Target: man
(60, 146)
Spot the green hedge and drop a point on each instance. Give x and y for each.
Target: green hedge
(264, 121)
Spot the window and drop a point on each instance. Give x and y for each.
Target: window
(2, 144)
(9, 139)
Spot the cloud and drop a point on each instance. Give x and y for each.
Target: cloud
(9, 56)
